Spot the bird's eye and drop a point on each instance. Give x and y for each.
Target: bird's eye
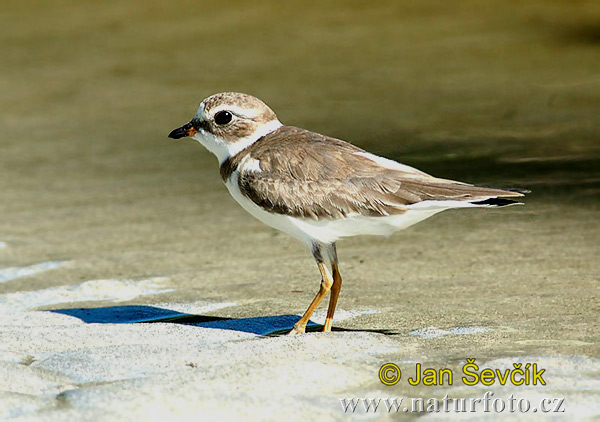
(223, 117)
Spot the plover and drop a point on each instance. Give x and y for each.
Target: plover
(319, 189)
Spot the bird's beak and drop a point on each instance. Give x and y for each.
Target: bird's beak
(186, 130)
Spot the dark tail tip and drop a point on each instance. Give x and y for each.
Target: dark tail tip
(496, 202)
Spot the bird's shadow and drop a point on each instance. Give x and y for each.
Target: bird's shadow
(134, 314)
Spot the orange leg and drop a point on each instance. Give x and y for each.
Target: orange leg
(335, 292)
(326, 283)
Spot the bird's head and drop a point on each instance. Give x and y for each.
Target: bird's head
(229, 122)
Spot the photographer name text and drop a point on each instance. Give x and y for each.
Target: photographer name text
(471, 374)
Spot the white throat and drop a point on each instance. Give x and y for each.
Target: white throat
(224, 150)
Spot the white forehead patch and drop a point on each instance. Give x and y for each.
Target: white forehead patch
(200, 114)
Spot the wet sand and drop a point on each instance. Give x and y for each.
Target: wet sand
(91, 189)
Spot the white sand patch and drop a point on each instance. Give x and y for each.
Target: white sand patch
(118, 290)
(214, 356)
(11, 273)
(34, 319)
(39, 342)
(429, 332)
(468, 330)
(2, 245)
(7, 356)
(16, 404)
(433, 332)
(190, 379)
(17, 378)
(340, 315)
(572, 378)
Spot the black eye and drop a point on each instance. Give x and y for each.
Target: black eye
(223, 117)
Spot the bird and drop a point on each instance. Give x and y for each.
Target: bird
(319, 189)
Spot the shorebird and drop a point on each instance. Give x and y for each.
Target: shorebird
(319, 189)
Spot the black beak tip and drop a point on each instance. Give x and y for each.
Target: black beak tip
(183, 131)
(177, 133)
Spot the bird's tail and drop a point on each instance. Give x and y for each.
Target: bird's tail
(496, 202)
(501, 200)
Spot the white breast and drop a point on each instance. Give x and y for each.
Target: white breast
(277, 221)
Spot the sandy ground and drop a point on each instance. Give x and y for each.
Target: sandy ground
(110, 225)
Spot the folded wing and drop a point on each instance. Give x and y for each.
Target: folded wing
(318, 177)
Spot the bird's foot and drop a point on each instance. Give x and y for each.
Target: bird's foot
(298, 329)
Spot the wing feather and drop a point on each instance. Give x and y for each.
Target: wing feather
(308, 175)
